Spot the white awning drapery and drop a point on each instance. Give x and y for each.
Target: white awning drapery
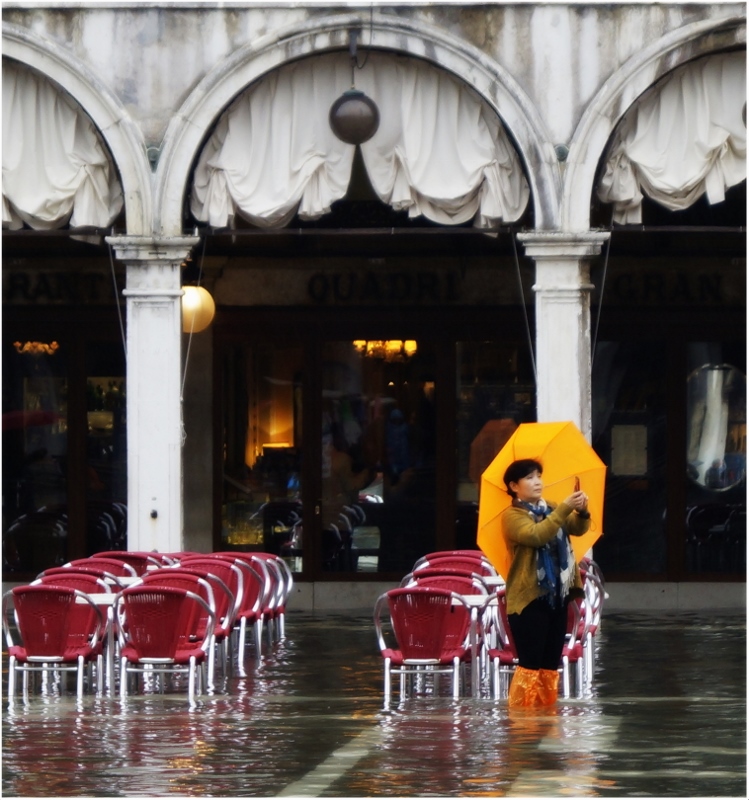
(438, 152)
(55, 167)
(686, 138)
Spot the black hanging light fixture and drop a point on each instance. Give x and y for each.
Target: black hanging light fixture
(354, 117)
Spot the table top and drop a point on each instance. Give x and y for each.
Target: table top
(99, 598)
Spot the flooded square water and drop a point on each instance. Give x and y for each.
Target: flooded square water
(666, 717)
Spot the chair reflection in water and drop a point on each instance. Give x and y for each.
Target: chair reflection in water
(61, 630)
(431, 628)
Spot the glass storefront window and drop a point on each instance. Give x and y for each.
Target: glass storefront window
(629, 433)
(378, 455)
(495, 393)
(262, 451)
(35, 455)
(716, 460)
(106, 448)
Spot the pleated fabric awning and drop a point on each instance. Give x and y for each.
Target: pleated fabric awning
(439, 152)
(685, 138)
(56, 169)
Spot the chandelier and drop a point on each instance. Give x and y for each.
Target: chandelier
(36, 348)
(387, 350)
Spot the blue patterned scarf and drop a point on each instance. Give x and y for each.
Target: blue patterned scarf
(554, 561)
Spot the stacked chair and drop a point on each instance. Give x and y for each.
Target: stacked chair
(478, 614)
(455, 639)
(149, 617)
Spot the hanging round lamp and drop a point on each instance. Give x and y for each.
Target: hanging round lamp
(198, 309)
(354, 117)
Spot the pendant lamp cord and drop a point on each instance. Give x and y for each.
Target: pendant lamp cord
(117, 300)
(189, 341)
(600, 296)
(525, 309)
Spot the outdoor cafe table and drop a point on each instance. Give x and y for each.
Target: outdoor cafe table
(476, 602)
(106, 600)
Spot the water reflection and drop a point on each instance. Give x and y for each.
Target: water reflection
(309, 717)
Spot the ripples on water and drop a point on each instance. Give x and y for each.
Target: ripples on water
(667, 713)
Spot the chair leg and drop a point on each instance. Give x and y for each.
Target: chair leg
(388, 680)
(123, 678)
(456, 678)
(79, 684)
(211, 663)
(242, 635)
(579, 677)
(11, 677)
(191, 680)
(565, 677)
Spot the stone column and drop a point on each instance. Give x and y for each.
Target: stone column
(563, 340)
(154, 383)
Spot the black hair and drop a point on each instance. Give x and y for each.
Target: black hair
(520, 469)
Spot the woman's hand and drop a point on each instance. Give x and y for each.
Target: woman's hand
(578, 501)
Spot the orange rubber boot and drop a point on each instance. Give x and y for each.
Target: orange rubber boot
(548, 687)
(524, 688)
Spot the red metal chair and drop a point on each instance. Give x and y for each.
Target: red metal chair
(257, 598)
(159, 635)
(205, 585)
(227, 606)
(61, 630)
(573, 651)
(502, 655)
(285, 580)
(427, 642)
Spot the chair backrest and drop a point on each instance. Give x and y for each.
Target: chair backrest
(192, 581)
(422, 620)
(460, 584)
(159, 622)
(107, 577)
(434, 572)
(52, 623)
(230, 574)
(477, 565)
(139, 561)
(476, 555)
(73, 579)
(506, 641)
(287, 578)
(259, 586)
(115, 567)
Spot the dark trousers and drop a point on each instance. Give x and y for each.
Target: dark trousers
(539, 632)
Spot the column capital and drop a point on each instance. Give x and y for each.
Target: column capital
(562, 245)
(152, 249)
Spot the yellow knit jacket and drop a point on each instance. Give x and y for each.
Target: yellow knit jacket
(524, 536)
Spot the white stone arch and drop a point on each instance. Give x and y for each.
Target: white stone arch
(496, 86)
(617, 95)
(123, 138)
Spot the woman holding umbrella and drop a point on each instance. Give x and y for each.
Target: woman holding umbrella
(543, 577)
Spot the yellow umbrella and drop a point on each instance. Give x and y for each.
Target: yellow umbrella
(564, 454)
